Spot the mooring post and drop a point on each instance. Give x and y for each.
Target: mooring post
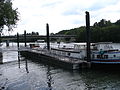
(18, 40)
(1, 53)
(25, 38)
(26, 63)
(1, 56)
(7, 43)
(88, 36)
(48, 39)
(18, 50)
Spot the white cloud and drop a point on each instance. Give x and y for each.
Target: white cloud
(62, 14)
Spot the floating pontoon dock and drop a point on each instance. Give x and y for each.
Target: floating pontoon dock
(47, 57)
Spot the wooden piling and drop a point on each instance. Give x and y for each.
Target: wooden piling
(1, 57)
(25, 38)
(48, 39)
(88, 36)
(18, 40)
(1, 54)
(7, 43)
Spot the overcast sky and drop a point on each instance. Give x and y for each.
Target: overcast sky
(62, 14)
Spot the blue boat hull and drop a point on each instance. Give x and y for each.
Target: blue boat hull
(106, 61)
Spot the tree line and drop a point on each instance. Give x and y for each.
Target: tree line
(102, 31)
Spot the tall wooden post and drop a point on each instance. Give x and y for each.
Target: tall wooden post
(1, 54)
(26, 63)
(88, 36)
(48, 39)
(25, 38)
(17, 40)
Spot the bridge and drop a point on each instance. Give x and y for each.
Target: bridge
(4, 38)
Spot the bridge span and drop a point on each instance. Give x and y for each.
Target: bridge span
(4, 38)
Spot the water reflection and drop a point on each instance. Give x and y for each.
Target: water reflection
(43, 77)
(49, 78)
(101, 79)
(18, 59)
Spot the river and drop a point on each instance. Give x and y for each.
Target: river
(45, 77)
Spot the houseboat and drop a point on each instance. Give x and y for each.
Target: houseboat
(76, 51)
(103, 52)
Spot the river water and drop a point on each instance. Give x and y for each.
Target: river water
(45, 77)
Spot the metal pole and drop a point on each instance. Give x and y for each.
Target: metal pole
(25, 37)
(88, 36)
(48, 39)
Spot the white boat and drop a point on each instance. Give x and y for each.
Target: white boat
(40, 41)
(103, 52)
(34, 45)
(78, 51)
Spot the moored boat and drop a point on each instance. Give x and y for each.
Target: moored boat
(105, 53)
(101, 53)
(78, 51)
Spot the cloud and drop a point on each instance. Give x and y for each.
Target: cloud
(109, 12)
(62, 14)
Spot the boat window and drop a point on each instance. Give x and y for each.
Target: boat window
(93, 56)
(114, 55)
(105, 56)
(98, 56)
(68, 54)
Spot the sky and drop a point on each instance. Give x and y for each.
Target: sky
(62, 14)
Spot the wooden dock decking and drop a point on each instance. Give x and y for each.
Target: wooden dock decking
(54, 59)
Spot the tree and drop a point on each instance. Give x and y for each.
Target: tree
(102, 23)
(8, 15)
(117, 22)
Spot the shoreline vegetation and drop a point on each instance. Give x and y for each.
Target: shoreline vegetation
(103, 31)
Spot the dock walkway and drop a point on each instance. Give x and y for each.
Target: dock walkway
(46, 56)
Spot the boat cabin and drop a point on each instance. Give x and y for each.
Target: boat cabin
(77, 52)
(105, 53)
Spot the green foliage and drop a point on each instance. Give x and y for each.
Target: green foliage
(103, 31)
(8, 15)
(118, 22)
(102, 23)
